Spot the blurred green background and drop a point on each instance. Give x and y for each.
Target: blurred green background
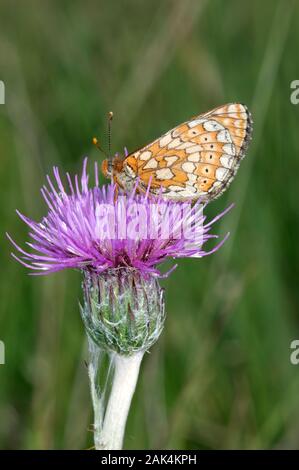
(220, 376)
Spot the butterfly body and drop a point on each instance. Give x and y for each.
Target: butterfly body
(197, 159)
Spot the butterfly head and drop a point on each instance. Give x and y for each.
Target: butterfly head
(106, 168)
(112, 166)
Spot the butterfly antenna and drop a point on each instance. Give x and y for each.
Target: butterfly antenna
(110, 117)
(96, 143)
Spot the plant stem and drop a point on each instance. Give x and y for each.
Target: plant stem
(109, 426)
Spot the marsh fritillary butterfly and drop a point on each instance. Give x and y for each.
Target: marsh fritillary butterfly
(197, 159)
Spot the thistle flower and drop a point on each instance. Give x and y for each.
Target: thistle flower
(118, 240)
(96, 229)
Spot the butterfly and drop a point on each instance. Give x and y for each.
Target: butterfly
(197, 159)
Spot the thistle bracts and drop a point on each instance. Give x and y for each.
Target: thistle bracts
(123, 310)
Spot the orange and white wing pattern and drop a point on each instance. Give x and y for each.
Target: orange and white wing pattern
(197, 159)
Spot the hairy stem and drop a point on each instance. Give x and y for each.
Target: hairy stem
(110, 419)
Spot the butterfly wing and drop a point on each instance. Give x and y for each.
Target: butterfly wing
(197, 159)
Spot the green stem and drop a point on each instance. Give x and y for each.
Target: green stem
(110, 420)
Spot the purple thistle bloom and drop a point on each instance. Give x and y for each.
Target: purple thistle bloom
(101, 228)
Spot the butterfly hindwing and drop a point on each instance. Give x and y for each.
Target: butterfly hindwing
(197, 159)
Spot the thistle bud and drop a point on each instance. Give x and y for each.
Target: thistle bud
(123, 310)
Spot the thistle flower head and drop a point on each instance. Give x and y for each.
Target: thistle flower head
(123, 310)
(97, 229)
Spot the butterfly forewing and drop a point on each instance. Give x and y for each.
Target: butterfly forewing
(197, 159)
